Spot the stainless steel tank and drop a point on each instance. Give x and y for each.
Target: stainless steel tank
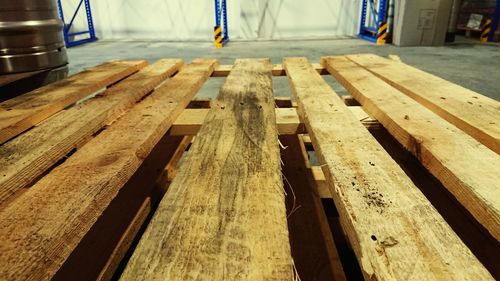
(30, 36)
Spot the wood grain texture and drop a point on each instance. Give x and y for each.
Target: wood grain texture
(28, 156)
(223, 217)
(468, 169)
(313, 248)
(475, 114)
(394, 230)
(40, 229)
(24, 111)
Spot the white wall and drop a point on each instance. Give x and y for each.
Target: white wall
(194, 19)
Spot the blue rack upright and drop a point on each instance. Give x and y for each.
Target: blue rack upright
(69, 37)
(374, 26)
(221, 33)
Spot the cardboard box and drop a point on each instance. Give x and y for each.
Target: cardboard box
(421, 23)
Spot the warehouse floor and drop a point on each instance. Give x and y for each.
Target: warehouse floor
(466, 62)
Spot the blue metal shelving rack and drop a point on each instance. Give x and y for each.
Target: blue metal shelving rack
(69, 37)
(496, 21)
(221, 32)
(374, 26)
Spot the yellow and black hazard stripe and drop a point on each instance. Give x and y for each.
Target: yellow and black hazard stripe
(382, 33)
(485, 31)
(218, 36)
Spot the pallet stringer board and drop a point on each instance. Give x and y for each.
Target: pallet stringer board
(31, 154)
(22, 112)
(385, 216)
(278, 70)
(40, 229)
(475, 114)
(462, 164)
(287, 121)
(223, 217)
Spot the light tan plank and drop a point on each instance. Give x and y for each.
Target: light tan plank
(475, 114)
(468, 169)
(223, 217)
(319, 177)
(23, 112)
(40, 229)
(395, 232)
(28, 156)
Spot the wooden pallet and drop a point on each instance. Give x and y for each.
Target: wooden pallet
(120, 172)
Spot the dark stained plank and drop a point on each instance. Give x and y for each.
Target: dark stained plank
(394, 230)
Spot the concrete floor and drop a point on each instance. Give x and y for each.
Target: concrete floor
(466, 62)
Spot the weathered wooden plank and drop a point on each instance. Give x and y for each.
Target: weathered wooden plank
(319, 177)
(9, 78)
(313, 248)
(475, 114)
(23, 112)
(39, 230)
(104, 244)
(466, 168)
(386, 218)
(27, 157)
(278, 70)
(223, 217)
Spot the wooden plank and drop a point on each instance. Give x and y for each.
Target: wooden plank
(313, 248)
(172, 166)
(466, 168)
(31, 154)
(475, 114)
(278, 70)
(386, 218)
(104, 243)
(319, 177)
(190, 121)
(22, 112)
(223, 217)
(470, 231)
(125, 241)
(40, 229)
